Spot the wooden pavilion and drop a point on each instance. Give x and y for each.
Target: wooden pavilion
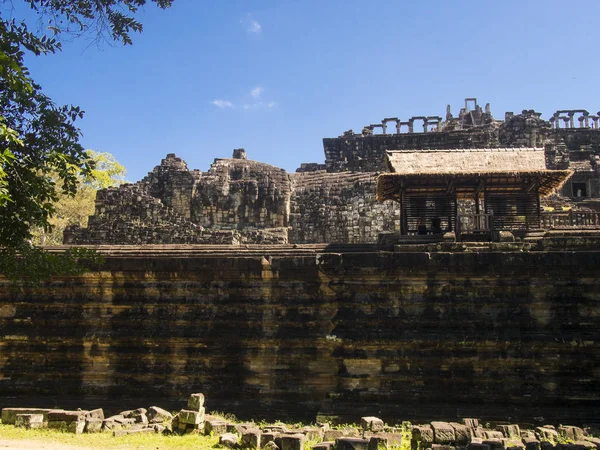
(468, 191)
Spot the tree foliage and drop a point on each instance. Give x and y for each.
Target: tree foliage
(41, 158)
(75, 209)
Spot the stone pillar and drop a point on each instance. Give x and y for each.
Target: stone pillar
(239, 153)
(448, 113)
(571, 114)
(411, 123)
(397, 127)
(425, 123)
(586, 119)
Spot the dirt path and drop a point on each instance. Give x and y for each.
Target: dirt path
(25, 444)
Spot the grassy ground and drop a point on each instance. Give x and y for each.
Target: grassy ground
(107, 441)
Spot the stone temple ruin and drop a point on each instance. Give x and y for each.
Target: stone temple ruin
(488, 306)
(240, 201)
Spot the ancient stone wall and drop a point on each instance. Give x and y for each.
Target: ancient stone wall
(419, 336)
(339, 208)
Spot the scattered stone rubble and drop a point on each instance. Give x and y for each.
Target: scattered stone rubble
(373, 433)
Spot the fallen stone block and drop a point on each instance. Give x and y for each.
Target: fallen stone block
(93, 425)
(229, 440)
(215, 427)
(9, 415)
(251, 439)
(394, 438)
(191, 417)
(442, 447)
(462, 433)
(293, 441)
(471, 423)
(475, 446)
(95, 414)
(422, 435)
(270, 436)
(443, 433)
(66, 416)
(271, 446)
(138, 415)
(493, 435)
(371, 424)
(494, 444)
(196, 402)
(332, 435)
(509, 431)
(351, 444)
(29, 421)
(546, 433)
(593, 440)
(530, 442)
(378, 443)
(313, 433)
(156, 414)
(571, 433)
(327, 445)
(110, 425)
(68, 427)
(159, 428)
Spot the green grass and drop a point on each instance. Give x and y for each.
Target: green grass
(107, 441)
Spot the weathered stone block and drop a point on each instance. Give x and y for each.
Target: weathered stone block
(571, 433)
(351, 444)
(531, 443)
(462, 433)
(158, 415)
(371, 424)
(191, 417)
(443, 433)
(229, 440)
(332, 435)
(29, 421)
(293, 441)
(471, 423)
(509, 431)
(546, 434)
(473, 446)
(67, 416)
(95, 414)
(9, 415)
(196, 402)
(270, 436)
(494, 444)
(378, 443)
(422, 434)
(93, 425)
(327, 445)
(110, 425)
(215, 426)
(271, 445)
(493, 435)
(251, 439)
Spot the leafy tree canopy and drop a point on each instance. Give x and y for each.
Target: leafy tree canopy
(76, 209)
(40, 154)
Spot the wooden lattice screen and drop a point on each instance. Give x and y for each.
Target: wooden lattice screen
(428, 214)
(513, 211)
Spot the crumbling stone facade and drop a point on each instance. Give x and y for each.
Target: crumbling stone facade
(242, 201)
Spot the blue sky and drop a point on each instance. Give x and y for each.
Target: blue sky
(277, 76)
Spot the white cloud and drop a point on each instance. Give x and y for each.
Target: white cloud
(222, 104)
(255, 93)
(251, 24)
(271, 105)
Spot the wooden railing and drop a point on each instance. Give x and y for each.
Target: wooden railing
(475, 223)
(570, 219)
